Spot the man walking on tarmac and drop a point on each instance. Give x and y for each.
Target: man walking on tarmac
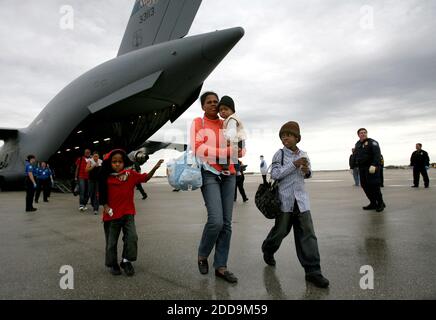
(368, 159)
(420, 163)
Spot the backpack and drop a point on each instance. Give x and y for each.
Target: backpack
(267, 198)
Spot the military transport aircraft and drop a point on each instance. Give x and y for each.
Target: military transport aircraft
(157, 76)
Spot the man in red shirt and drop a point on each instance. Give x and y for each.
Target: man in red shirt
(82, 177)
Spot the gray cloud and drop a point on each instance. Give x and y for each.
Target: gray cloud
(305, 60)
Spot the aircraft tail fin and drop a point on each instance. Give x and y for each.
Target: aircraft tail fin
(156, 21)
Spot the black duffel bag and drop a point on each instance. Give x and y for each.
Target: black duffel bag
(267, 198)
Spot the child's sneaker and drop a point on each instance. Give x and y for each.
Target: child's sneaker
(225, 172)
(128, 268)
(81, 208)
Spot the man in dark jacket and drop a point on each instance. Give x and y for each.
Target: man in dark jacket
(368, 159)
(420, 163)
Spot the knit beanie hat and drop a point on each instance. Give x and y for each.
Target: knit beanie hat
(227, 101)
(291, 127)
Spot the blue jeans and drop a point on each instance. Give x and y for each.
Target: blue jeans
(83, 191)
(218, 193)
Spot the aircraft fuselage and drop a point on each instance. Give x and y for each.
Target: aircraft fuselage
(143, 88)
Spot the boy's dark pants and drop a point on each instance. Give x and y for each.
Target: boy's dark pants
(112, 231)
(305, 240)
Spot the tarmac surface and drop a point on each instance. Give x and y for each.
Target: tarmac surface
(399, 244)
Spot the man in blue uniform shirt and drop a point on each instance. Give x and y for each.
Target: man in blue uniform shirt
(368, 159)
(30, 182)
(44, 180)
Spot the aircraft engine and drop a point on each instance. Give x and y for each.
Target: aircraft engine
(140, 156)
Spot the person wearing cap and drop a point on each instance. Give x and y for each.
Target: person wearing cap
(368, 159)
(234, 131)
(290, 166)
(116, 188)
(30, 182)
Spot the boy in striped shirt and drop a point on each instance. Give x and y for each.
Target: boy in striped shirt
(290, 166)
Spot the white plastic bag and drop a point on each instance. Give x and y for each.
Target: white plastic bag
(184, 173)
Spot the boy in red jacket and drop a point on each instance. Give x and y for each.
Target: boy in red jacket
(117, 187)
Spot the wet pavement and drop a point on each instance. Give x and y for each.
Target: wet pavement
(399, 244)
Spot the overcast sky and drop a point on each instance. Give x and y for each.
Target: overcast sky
(331, 65)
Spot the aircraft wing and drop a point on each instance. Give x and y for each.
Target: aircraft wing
(7, 133)
(125, 92)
